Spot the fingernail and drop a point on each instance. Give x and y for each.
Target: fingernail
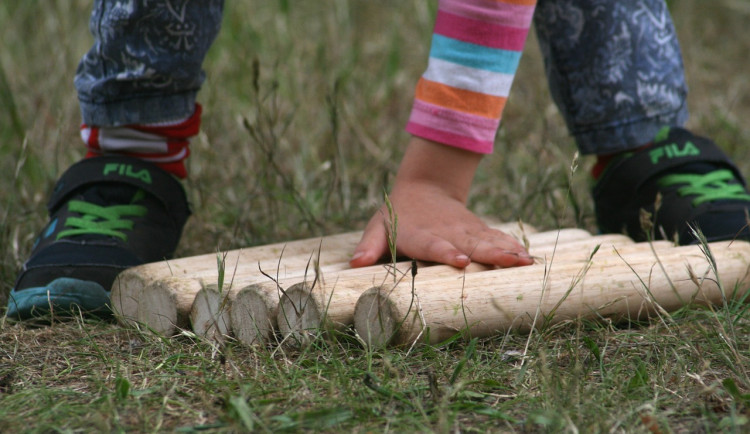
(357, 255)
(462, 258)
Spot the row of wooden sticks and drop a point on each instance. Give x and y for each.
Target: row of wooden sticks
(293, 290)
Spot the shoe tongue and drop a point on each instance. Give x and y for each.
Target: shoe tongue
(109, 194)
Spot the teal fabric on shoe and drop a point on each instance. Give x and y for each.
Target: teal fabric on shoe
(61, 297)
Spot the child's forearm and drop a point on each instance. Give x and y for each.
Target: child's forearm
(445, 168)
(475, 51)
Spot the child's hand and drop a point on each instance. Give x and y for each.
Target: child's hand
(434, 224)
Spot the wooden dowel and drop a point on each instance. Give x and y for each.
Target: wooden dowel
(621, 287)
(253, 313)
(169, 301)
(280, 259)
(127, 288)
(163, 316)
(254, 310)
(209, 314)
(305, 310)
(576, 249)
(556, 236)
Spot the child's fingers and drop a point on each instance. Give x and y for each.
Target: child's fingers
(486, 248)
(432, 248)
(500, 255)
(372, 246)
(495, 248)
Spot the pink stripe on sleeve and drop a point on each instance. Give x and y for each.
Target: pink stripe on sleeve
(474, 133)
(480, 32)
(490, 11)
(454, 140)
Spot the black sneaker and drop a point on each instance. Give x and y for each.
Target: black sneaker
(697, 184)
(106, 214)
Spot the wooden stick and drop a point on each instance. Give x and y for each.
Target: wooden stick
(255, 309)
(255, 316)
(159, 312)
(127, 288)
(209, 314)
(306, 309)
(482, 304)
(557, 236)
(171, 303)
(196, 272)
(253, 313)
(575, 249)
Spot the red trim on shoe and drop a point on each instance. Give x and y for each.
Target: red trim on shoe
(603, 160)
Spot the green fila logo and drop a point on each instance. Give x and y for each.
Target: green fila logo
(127, 170)
(673, 150)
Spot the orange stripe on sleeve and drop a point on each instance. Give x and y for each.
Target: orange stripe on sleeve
(459, 99)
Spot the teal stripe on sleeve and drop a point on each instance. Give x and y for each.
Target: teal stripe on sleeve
(474, 56)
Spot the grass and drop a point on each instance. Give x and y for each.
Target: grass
(306, 145)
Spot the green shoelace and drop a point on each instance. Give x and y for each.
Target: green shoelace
(95, 219)
(706, 187)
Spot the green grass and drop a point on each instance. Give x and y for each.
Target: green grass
(306, 147)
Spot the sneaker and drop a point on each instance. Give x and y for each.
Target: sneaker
(680, 182)
(106, 214)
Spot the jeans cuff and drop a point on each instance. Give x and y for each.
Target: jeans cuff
(141, 110)
(610, 139)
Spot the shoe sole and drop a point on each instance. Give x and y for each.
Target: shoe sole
(63, 296)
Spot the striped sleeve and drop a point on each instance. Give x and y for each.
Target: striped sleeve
(476, 48)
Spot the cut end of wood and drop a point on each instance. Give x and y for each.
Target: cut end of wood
(377, 319)
(300, 317)
(252, 319)
(157, 309)
(124, 296)
(209, 315)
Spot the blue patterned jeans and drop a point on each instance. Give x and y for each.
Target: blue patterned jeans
(614, 67)
(145, 65)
